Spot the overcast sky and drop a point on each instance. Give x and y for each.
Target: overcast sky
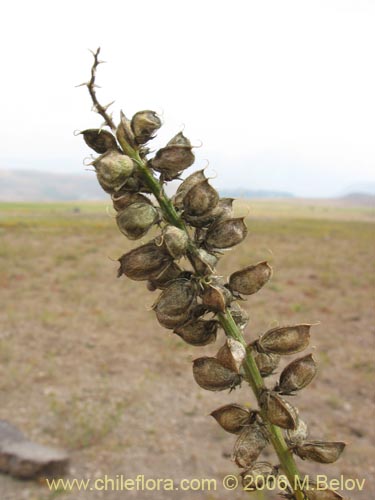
(281, 93)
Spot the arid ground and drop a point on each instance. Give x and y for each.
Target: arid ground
(85, 366)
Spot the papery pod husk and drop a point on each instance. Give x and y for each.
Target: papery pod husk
(175, 241)
(239, 315)
(266, 362)
(124, 133)
(285, 340)
(231, 354)
(298, 435)
(200, 199)
(315, 493)
(324, 452)
(175, 157)
(226, 233)
(211, 375)
(222, 211)
(250, 279)
(199, 332)
(136, 219)
(259, 476)
(144, 263)
(213, 297)
(144, 124)
(122, 200)
(170, 273)
(279, 412)
(99, 140)
(113, 170)
(249, 444)
(203, 262)
(185, 186)
(232, 418)
(174, 305)
(297, 375)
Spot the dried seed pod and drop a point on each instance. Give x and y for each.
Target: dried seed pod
(144, 124)
(135, 220)
(211, 375)
(226, 233)
(285, 340)
(250, 279)
(175, 157)
(199, 332)
(297, 375)
(175, 241)
(279, 412)
(204, 263)
(260, 475)
(324, 452)
(185, 186)
(124, 132)
(214, 299)
(112, 170)
(99, 140)
(145, 262)
(298, 435)
(170, 273)
(232, 418)
(173, 307)
(319, 493)
(122, 200)
(200, 199)
(266, 362)
(249, 444)
(239, 315)
(231, 355)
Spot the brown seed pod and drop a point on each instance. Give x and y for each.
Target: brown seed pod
(113, 170)
(203, 262)
(144, 124)
(124, 132)
(239, 315)
(199, 332)
(232, 418)
(99, 140)
(226, 233)
(319, 493)
(260, 475)
(145, 262)
(279, 412)
(200, 199)
(135, 220)
(214, 299)
(175, 157)
(285, 340)
(324, 452)
(185, 186)
(174, 305)
(297, 375)
(175, 241)
(170, 273)
(211, 375)
(297, 436)
(266, 362)
(122, 200)
(231, 355)
(249, 444)
(250, 279)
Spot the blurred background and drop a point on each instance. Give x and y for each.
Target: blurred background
(280, 98)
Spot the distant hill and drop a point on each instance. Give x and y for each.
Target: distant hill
(359, 199)
(249, 193)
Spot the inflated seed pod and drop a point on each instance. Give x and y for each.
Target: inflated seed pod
(175, 241)
(319, 493)
(170, 273)
(297, 375)
(214, 298)
(113, 170)
(324, 452)
(232, 418)
(144, 124)
(266, 362)
(124, 132)
(136, 219)
(200, 199)
(122, 200)
(285, 340)
(250, 279)
(199, 332)
(185, 186)
(298, 435)
(231, 354)
(260, 475)
(99, 140)
(211, 375)
(249, 444)
(204, 262)
(226, 233)
(174, 305)
(175, 157)
(239, 315)
(144, 263)
(279, 412)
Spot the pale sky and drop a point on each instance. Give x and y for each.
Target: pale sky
(281, 93)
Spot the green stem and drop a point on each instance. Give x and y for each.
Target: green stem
(252, 375)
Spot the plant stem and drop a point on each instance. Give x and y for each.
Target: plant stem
(252, 374)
